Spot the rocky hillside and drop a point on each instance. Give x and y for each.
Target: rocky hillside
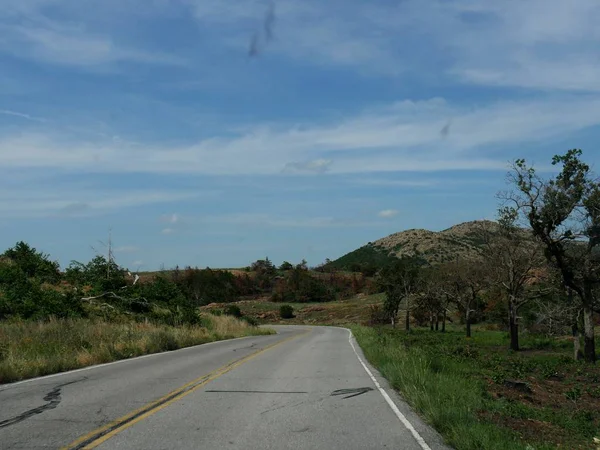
(460, 241)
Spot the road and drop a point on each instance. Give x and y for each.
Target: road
(304, 388)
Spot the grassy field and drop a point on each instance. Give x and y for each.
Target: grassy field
(478, 394)
(31, 349)
(339, 313)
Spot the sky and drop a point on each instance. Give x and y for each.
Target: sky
(212, 133)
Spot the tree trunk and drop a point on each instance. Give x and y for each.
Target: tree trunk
(468, 320)
(407, 315)
(576, 340)
(513, 325)
(437, 321)
(444, 321)
(431, 321)
(589, 346)
(393, 322)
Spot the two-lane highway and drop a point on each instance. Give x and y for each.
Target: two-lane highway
(304, 388)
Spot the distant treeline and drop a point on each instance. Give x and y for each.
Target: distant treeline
(32, 286)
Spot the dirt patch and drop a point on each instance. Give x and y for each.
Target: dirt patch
(532, 430)
(572, 394)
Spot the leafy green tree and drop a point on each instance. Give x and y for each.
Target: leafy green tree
(33, 263)
(286, 266)
(99, 273)
(23, 297)
(564, 213)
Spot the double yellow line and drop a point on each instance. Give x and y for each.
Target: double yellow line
(100, 435)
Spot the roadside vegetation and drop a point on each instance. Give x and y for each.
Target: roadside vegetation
(52, 321)
(498, 351)
(35, 348)
(480, 395)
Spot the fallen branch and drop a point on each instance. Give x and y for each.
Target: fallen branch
(117, 297)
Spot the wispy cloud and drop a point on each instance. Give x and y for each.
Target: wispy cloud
(279, 221)
(170, 218)
(316, 166)
(403, 136)
(388, 213)
(29, 33)
(168, 231)
(21, 115)
(44, 202)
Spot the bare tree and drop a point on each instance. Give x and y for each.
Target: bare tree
(512, 256)
(564, 213)
(466, 280)
(399, 281)
(431, 298)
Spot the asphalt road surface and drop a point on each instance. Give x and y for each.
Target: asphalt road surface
(304, 388)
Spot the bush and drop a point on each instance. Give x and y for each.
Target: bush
(233, 310)
(378, 316)
(33, 263)
(202, 287)
(299, 286)
(286, 311)
(250, 321)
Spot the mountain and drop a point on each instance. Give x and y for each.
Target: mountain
(433, 247)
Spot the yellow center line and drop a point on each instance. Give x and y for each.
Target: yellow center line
(102, 434)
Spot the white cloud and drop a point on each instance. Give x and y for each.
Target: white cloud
(71, 47)
(403, 136)
(29, 33)
(278, 221)
(540, 44)
(169, 218)
(316, 166)
(388, 213)
(21, 115)
(138, 263)
(40, 201)
(168, 231)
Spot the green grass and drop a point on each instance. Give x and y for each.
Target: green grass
(453, 383)
(31, 349)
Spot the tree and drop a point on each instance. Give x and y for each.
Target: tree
(99, 273)
(564, 213)
(286, 266)
(33, 263)
(303, 265)
(399, 282)
(430, 300)
(512, 257)
(466, 282)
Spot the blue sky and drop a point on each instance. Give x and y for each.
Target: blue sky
(346, 122)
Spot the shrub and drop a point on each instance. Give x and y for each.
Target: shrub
(377, 316)
(250, 321)
(33, 263)
(286, 311)
(233, 310)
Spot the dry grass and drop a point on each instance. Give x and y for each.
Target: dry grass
(31, 349)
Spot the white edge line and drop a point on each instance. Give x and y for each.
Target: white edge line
(7, 386)
(389, 401)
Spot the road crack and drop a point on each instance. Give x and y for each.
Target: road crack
(53, 398)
